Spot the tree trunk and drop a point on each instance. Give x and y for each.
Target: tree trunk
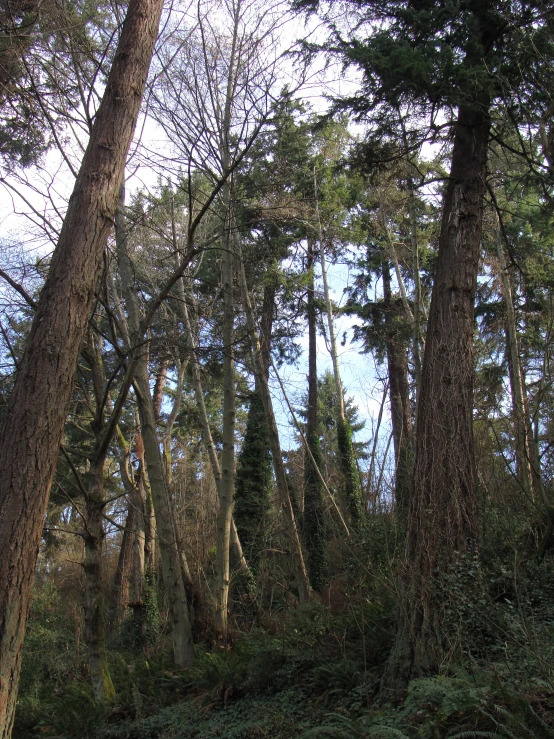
(304, 590)
(351, 478)
(226, 487)
(123, 577)
(254, 478)
(93, 599)
(159, 387)
(314, 524)
(40, 399)
(165, 520)
(401, 415)
(442, 519)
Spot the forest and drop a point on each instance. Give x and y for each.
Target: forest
(209, 524)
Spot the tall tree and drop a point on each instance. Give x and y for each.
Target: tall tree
(38, 406)
(422, 58)
(314, 528)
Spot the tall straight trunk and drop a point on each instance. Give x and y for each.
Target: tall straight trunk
(173, 571)
(145, 571)
(418, 341)
(172, 566)
(401, 415)
(528, 462)
(442, 519)
(137, 503)
(122, 582)
(38, 406)
(351, 477)
(125, 585)
(93, 599)
(522, 425)
(235, 545)
(314, 524)
(227, 482)
(302, 581)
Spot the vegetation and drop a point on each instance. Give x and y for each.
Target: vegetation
(218, 549)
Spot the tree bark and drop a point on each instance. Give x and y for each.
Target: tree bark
(314, 528)
(172, 566)
(442, 519)
(40, 399)
(351, 478)
(93, 599)
(302, 581)
(401, 415)
(226, 487)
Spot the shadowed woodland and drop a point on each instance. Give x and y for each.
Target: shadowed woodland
(205, 530)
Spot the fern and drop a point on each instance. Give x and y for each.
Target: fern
(344, 727)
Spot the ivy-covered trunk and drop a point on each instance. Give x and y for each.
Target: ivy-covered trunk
(254, 478)
(315, 525)
(297, 557)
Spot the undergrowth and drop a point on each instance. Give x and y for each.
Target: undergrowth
(311, 671)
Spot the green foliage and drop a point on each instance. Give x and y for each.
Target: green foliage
(314, 524)
(440, 707)
(71, 713)
(253, 484)
(48, 657)
(352, 487)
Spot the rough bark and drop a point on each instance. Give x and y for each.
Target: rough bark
(123, 577)
(442, 518)
(93, 597)
(38, 407)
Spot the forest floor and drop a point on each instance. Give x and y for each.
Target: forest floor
(306, 671)
(312, 673)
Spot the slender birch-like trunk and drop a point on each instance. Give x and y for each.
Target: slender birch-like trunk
(227, 481)
(171, 556)
(352, 486)
(522, 425)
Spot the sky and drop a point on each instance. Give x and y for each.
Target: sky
(33, 203)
